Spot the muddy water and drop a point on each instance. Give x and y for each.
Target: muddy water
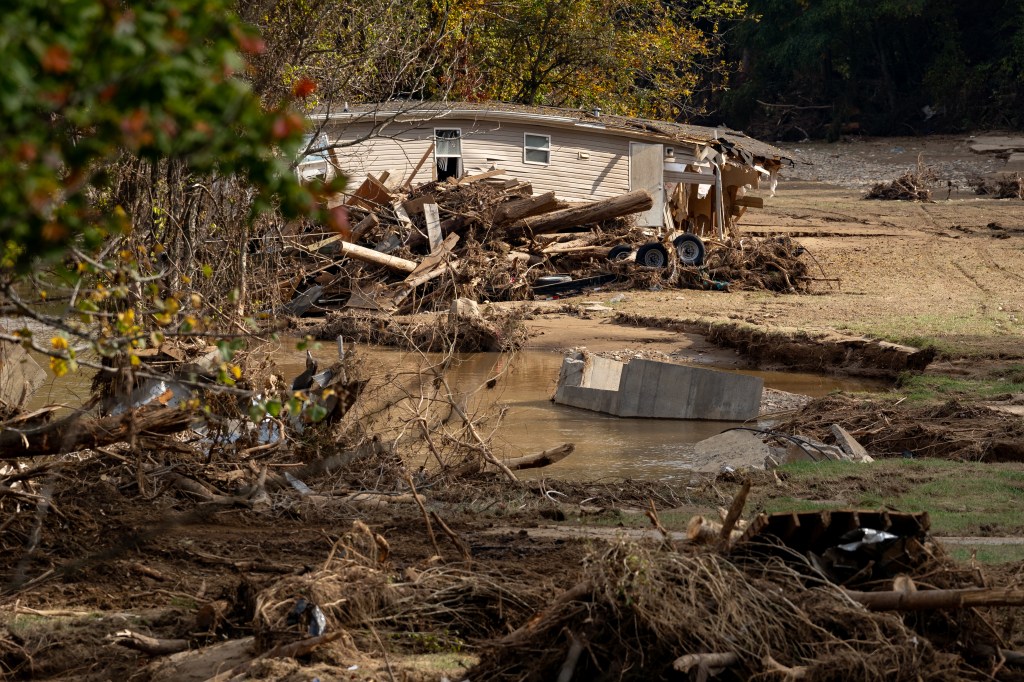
(606, 446)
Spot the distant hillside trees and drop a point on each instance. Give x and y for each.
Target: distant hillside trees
(878, 66)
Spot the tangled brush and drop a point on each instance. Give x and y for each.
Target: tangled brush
(638, 613)
(356, 589)
(911, 186)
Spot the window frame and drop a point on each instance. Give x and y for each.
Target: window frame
(458, 170)
(527, 148)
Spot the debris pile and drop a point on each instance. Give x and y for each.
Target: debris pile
(911, 186)
(1003, 187)
(486, 238)
(952, 430)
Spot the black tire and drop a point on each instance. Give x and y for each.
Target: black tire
(552, 279)
(620, 252)
(652, 255)
(690, 249)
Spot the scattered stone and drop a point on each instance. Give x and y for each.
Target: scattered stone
(849, 445)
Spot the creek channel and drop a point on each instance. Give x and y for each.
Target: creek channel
(606, 446)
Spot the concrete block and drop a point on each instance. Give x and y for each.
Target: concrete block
(646, 388)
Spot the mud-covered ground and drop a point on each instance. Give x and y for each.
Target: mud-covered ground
(110, 557)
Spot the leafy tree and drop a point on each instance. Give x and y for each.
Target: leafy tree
(633, 57)
(110, 112)
(84, 80)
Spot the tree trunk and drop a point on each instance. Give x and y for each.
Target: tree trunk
(633, 202)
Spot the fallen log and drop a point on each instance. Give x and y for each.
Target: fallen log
(517, 209)
(633, 202)
(361, 253)
(534, 461)
(929, 600)
(80, 432)
(149, 645)
(541, 459)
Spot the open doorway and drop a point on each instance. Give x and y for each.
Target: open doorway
(448, 152)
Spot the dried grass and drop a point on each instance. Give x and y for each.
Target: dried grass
(644, 609)
(952, 430)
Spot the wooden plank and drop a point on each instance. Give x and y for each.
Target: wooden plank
(433, 226)
(749, 202)
(416, 205)
(433, 259)
(361, 253)
(479, 176)
(371, 195)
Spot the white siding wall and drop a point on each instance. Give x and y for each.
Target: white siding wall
(585, 164)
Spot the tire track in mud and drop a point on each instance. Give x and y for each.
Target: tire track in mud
(971, 278)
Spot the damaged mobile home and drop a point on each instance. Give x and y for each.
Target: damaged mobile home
(697, 176)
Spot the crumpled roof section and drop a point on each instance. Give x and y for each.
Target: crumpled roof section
(723, 137)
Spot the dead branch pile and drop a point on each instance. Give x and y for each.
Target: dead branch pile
(1006, 187)
(952, 430)
(468, 329)
(911, 186)
(637, 614)
(772, 264)
(357, 588)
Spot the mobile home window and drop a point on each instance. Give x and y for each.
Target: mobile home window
(537, 149)
(319, 144)
(448, 152)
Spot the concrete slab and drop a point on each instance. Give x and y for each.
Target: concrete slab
(737, 449)
(662, 390)
(849, 445)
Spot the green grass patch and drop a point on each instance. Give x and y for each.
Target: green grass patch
(924, 388)
(962, 498)
(988, 554)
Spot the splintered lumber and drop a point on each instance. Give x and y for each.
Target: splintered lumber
(371, 195)
(928, 600)
(479, 176)
(79, 432)
(625, 204)
(363, 226)
(361, 253)
(517, 209)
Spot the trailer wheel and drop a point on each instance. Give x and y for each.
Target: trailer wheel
(690, 249)
(620, 252)
(652, 255)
